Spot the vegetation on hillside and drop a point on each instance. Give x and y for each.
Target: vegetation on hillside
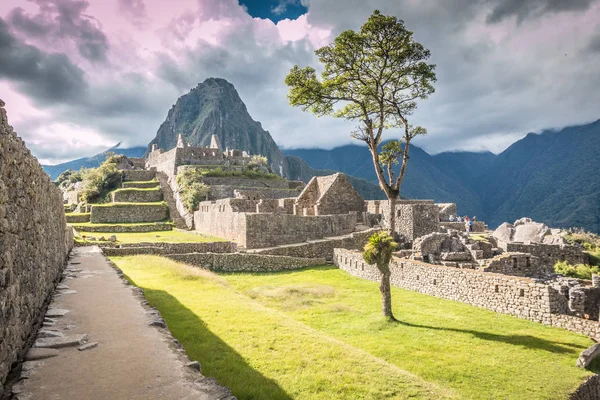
(580, 271)
(98, 182)
(68, 178)
(590, 242)
(318, 334)
(191, 188)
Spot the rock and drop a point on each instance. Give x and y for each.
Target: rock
(112, 238)
(70, 291)
(159, 322)
(46, 333)
(88, 346)
(56, 312)
(195, 365)
(40, 353)
(588, 355)
(57, 343)
(62, 286)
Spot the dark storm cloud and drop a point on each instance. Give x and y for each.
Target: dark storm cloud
(136, 10)
(522, 9)
(46, 77)
(63, 19)
(594, 44)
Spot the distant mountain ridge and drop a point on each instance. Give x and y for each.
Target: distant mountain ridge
(551, 177)
(91, 162)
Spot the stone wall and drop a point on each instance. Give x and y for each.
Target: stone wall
(518, 264)
(322, 248)
(119, 213)
(521, 297)
(159, 248)
(131, 195)
(138, 175)
(446, 210)
(237, 220)
(34, 244)
(589, 390)
(240, 262)
(268, 230)
(549, 254)
(77, 217)
(150, 227)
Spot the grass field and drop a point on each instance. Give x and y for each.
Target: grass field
(157, 236)
(318, 334)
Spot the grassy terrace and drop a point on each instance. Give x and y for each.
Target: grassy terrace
(318, 334)
(157, 236)
(132, 204)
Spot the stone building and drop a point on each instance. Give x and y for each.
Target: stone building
(332, 194)
(414, 218)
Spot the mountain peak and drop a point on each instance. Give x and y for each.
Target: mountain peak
(214, 107)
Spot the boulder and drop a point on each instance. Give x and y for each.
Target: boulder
(588, 355)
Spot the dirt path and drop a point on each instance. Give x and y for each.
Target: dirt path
(131, 360)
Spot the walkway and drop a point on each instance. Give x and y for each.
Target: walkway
(131, 360)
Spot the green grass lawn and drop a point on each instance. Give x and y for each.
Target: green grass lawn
(157, 236)
(318, 333)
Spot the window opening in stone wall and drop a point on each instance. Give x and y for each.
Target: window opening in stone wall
(521, 292)
(515, 262)
(496, 289)
(528, 262)
(363, 267)
(434, 282)
(417, 277)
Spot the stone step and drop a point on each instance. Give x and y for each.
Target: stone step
(122, 228)
(138, 175)
(141, 184)
(129, 213)
(137, 195)
(77, 217)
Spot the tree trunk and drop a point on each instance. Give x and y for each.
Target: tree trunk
(386, 294)
(392, 217)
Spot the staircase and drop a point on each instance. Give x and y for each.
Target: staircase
(138, 206)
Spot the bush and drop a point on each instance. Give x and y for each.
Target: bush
(581, 271)
(68, 178)
(98, 182)
(259, 164)
(191, 188)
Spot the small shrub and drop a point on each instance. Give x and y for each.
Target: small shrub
(68, 178)
(259, 164)
(98, 182)
(191, 188)
(581, 271)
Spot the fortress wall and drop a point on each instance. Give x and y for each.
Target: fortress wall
(123, 213)
(240, 262)
(268, 230)
(34, 244)
(520, 297)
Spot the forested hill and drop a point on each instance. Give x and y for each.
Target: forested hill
(553, 177)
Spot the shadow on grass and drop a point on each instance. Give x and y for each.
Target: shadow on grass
(526, 341)
(216, 358)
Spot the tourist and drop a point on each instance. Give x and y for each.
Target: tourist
(451, 218)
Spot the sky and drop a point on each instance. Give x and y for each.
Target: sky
(78, 76)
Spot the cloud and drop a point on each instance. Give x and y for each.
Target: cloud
(60, 20)
(534, 8)
(46, 77)
(497, 79)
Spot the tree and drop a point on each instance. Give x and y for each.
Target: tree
(378, 251)
(373, 76)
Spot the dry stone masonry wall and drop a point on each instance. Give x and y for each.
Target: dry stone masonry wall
(241, 262)
(522, 297)
(120, 213)
(34, 243)
(134, 195)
